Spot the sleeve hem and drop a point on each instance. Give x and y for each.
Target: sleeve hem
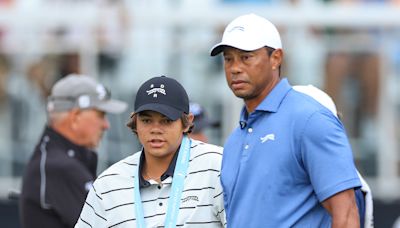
(352, 183)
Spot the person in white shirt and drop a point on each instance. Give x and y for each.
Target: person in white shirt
(172, 182)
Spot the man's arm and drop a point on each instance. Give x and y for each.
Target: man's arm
(343, 209)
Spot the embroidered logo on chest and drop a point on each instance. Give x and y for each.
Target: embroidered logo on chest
(267, 137)
(190, 198)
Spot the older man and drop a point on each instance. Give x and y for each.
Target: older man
(63, 165)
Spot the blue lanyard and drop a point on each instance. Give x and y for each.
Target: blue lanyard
(174, 201)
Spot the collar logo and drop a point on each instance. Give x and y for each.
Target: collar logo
(154, 91)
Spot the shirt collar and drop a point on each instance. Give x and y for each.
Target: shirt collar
(272, 101)
(86, 156)
(59, 138)
(168, 173)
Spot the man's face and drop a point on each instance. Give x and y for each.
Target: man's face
(159, 135)
(89, 126)
(249, 73)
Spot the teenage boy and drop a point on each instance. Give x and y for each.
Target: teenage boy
(172, 181)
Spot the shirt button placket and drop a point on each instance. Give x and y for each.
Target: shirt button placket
(249, 130)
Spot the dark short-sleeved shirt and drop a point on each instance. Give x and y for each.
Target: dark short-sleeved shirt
(56, 182)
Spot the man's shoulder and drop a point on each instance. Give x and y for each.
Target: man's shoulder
(53, 157)
(58, 158)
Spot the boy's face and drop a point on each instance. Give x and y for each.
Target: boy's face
(159, 135)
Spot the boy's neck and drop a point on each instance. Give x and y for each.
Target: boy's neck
(155, 167)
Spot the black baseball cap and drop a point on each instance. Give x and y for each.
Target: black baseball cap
(164, 95)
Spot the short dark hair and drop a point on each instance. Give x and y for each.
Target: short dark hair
(269, 50)
(184, 118)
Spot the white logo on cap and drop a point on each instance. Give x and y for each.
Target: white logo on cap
(84, 101)
(50, 106)
(241, 28)
(101, 90)
(154, 91)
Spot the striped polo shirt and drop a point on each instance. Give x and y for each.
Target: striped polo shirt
(111, 201)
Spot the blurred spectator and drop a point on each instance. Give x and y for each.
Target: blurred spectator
(201, 122)
(111, 35)
(257, 1)
(5, 117)
(28, 92)
(6, 3)
(63, 165)
(70, 63)
(65, 43)
(352, 79)
(353, 67)
(41, 76)
(358, 73)
(4, 71)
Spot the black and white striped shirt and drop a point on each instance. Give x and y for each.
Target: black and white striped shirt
(111, 201)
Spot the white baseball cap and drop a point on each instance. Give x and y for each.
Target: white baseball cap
(249, 32)
(318, 95)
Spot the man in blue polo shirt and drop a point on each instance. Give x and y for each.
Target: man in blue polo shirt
(289, 162)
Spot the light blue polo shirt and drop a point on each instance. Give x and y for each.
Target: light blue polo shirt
(285, 158)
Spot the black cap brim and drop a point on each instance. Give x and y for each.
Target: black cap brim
(217, 49)
(168, 111)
